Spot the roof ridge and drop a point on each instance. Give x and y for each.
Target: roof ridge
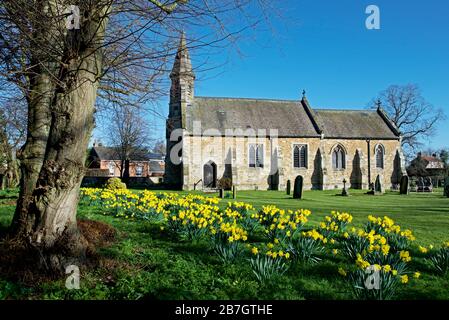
(251, 99)
(345, 110)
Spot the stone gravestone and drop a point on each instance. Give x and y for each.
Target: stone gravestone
(289, 187)
(446, 187)
(405, 185)
(299, 184)
(378, 188)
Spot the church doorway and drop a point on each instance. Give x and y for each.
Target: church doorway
(210, 175)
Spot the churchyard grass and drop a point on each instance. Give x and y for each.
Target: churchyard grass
(145, 262)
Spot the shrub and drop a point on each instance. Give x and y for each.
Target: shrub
(114, 184)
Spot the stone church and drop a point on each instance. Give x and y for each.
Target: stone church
(261, 144)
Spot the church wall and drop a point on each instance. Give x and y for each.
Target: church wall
(319, 174)
(334, 178)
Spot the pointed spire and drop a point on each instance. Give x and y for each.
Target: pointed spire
(183, 64)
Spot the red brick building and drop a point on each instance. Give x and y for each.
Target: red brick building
(105, 162)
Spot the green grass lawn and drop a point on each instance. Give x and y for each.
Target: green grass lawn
(144, 263)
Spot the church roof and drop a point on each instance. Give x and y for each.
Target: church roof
(290, 118)
(353, 124)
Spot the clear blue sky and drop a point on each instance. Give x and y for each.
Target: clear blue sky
(325, 48)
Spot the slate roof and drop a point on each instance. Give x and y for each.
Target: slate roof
(290, 118)
(351, 124)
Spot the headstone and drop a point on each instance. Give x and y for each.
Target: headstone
(289, 187)
(446, 187)
(378, 188)
(299, 184)
(234, 192)
(405, 185)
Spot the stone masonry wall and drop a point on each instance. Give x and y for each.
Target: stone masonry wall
(230, 156)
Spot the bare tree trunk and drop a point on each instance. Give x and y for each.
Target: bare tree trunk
(32, 154)
(53, 160)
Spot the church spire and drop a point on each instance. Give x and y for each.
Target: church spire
(183, 64)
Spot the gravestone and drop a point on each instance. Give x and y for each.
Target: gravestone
(299, 184)
(289, 187)
(405, 185)
(378, 188)
(446, 187)
(234, 192)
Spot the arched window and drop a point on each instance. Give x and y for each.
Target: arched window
(252, 156)
(256, 156)
(259, 156)
(339, 158)
(300, 156)
(380, 153)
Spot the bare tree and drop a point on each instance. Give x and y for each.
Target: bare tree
(128, 134)
(13, 122)
(159, 147)
(415, 118)
(118, 51)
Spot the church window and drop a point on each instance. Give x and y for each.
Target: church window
(338, 158)
(300, 156)
(256, 157)
(380, 157)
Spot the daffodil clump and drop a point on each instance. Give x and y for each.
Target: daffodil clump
(269, 261)
(335, 224)
(438, 258)
(379, 267)
(282, 224)
(398, 238)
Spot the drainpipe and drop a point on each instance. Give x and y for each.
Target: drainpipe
(369, 161)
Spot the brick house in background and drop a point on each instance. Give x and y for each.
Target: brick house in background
(104, 162)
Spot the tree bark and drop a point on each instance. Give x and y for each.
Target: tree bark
(53, 159)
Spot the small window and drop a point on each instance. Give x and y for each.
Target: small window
(380, 157)
(111, 167)
(300, 156)
(338, 158)
(256, 156)
(139, 170)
